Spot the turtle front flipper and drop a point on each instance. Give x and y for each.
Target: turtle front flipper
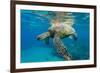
(47, 40)
(61, 49)
(73, 36)
(43, 36)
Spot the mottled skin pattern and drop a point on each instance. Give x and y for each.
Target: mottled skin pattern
(58, 33)
(61, 27)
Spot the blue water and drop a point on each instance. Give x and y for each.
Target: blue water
(33, 50)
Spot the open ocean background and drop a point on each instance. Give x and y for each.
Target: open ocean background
(33, 50)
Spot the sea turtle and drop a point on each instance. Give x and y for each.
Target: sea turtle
(58, 31)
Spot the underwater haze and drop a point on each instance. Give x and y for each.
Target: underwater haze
(33, 23)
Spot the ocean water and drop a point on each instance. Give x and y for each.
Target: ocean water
(33, 23)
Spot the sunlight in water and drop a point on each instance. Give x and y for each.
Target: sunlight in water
(33, 23)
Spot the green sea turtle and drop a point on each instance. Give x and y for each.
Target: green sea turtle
(59, 29)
